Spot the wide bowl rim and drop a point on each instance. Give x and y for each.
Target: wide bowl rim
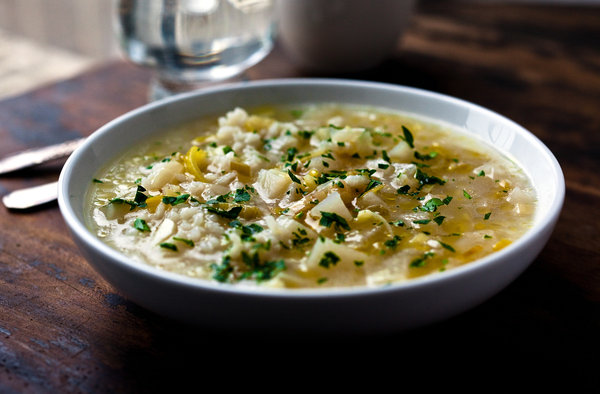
(112, 256)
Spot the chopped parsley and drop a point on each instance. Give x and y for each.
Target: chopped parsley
(404, 189)
(261, 271)
(233, 213)
(422, 221)
(329, 218)
(188, 242)
(168, 245)
(222, 271)
(431, 205)
(141, 225)
(422, 260)
(294, 178)
(366, 171)
(408, 137)
(392, 243)
(132, 204)
(291, 152)
(170, 200)
(385, 156)
(425, 157)
(439, 219)
(467, 195)
(487, 216)
(339, 238)
(140, 197)
(306, 134)
(328, 155)
(373, 183)
(446, 246)
(329, 259)
(425, 179)
(241, 195)
(247, 231)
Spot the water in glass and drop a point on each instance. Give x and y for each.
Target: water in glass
(194, 42)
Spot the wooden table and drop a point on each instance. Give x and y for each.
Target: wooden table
(64, 329)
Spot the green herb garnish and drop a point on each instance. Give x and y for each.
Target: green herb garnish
(170, 200)
(140, 224)
(222, 271)
(329, 258)
(425, 157)
(420, 261)
(188, 242)
(392, 243)
(446, 246)
(431, 205)
(167, 245)
(231, 214)
(372, 184)
(425, 179)
(294, 178)
(422, 221)
(140, 197)
(329, 218)
(439, 219)
(291, 152)
(408, 137)
(385, 156)
(241, 195)
(404, 189)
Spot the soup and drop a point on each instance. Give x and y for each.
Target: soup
(311, 196)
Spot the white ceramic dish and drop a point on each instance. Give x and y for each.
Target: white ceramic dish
(399, 306)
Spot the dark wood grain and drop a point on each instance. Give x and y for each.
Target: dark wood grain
(64, 329)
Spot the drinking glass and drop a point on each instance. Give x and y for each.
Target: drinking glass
(194, 43)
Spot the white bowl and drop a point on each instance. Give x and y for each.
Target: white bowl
(400, 306)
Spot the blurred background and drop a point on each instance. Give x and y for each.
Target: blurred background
(42, 41)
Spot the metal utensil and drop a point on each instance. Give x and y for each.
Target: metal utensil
(35, 156)
(31, 197)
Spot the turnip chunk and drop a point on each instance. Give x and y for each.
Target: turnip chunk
(332, 203)
(272, 183)
(338, 262)
(164, 231)
(401, 152)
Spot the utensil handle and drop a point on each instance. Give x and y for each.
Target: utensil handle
(31, 197)
(32, 157)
